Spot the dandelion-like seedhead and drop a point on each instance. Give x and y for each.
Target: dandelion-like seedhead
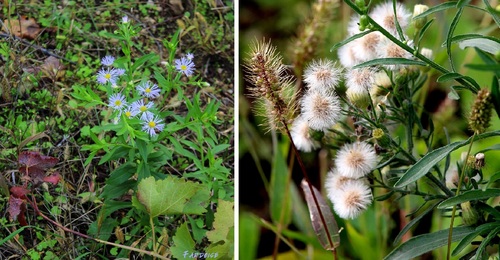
(321, 110)
(271, 86)
(184, 65)
(388, 49)
(322, 75)
(366, 47)
(351, 199)
(383, 14)
(301, 136)
(346, 55)
(356, 160)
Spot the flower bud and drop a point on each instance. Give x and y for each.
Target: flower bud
(420, 22)
(469, 214)
(358, 97)
(382, 139)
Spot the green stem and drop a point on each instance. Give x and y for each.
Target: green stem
(462, 174)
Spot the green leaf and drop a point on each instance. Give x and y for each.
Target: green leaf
(280, 199)
(486, 241)
(484, 67)
(172, 196)
(451, 30)
(469, 196)
(492, 12)
(495, 94)
(249, 233)
(183, 242)
(152, 58)
(348, 40)
(422, 244)
(224, 220)
(436, 8)
(425, 164)
(327, 235)
(13, 234)
(480, 230)
(390, 61)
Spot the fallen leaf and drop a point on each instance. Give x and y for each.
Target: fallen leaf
(54, 179)
(35, 159)
(23, 27)
(15, 207)
(52, 68)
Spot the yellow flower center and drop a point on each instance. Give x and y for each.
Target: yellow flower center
(152, 124)
(184, 67)
(143, 108)
(107, 76)
(147, 90)
(128, 113)
(118, 103)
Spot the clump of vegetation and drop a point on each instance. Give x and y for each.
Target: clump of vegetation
(140, 126)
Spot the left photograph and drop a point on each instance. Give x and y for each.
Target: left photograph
(117, 130)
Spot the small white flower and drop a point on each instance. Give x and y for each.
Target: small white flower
(125, 19)
(322, 75)
(352, 198)
(107, 60)
(148, 90)
(117, 101)
(321, 110)
(383, 14)
(151, 124)
(300, 135)
(190, 56)
(356, 160)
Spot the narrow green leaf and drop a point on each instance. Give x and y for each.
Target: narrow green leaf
(183, 242)
(469, 196)
(327, 235)
(424, 29)
(280, 199)
(13, 234)
(484, 67)
(436, 8)
(151, 57)
(425, 164)
(348, 40)
(486, 241)
(249, 233)
(462, 3)
(422, 244)
(492, 12)
(495, 94)
(451, 30)
(470, 237)
(413, 222)
(488, 59)
(390, 61)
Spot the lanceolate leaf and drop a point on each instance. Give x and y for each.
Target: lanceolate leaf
(468, 196)
(328, 235)
(348, 40)
(412, 223)
(279, 194)
(483, 229)
(424, 165)
(390, 61)
(495, 94)
(422, 244)
(436, 8)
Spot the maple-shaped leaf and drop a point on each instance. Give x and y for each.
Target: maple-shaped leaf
(172, 196)
(224, 221)
(35, 159)
(16, 210)
(183, 242)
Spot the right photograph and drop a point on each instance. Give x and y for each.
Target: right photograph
(369, 129)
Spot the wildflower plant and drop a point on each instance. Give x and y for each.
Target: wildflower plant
(368, 111)
(141, 138)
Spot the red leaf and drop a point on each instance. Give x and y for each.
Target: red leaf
(16, 207)
(18, 192)
(54, 178)
(35, 159)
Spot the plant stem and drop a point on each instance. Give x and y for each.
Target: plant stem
(462, 174)
(38, 212)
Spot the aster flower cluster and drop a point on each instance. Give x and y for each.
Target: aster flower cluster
(142, 108)
(346, 184)
(185, 64)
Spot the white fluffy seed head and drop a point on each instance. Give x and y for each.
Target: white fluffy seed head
(383, 14)
(300, 135)
(362, 78)
(366, 46)
(351, 199)
(322, 75)
(388, 49)
(320, 110)
(346, 55)
(356, 160)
